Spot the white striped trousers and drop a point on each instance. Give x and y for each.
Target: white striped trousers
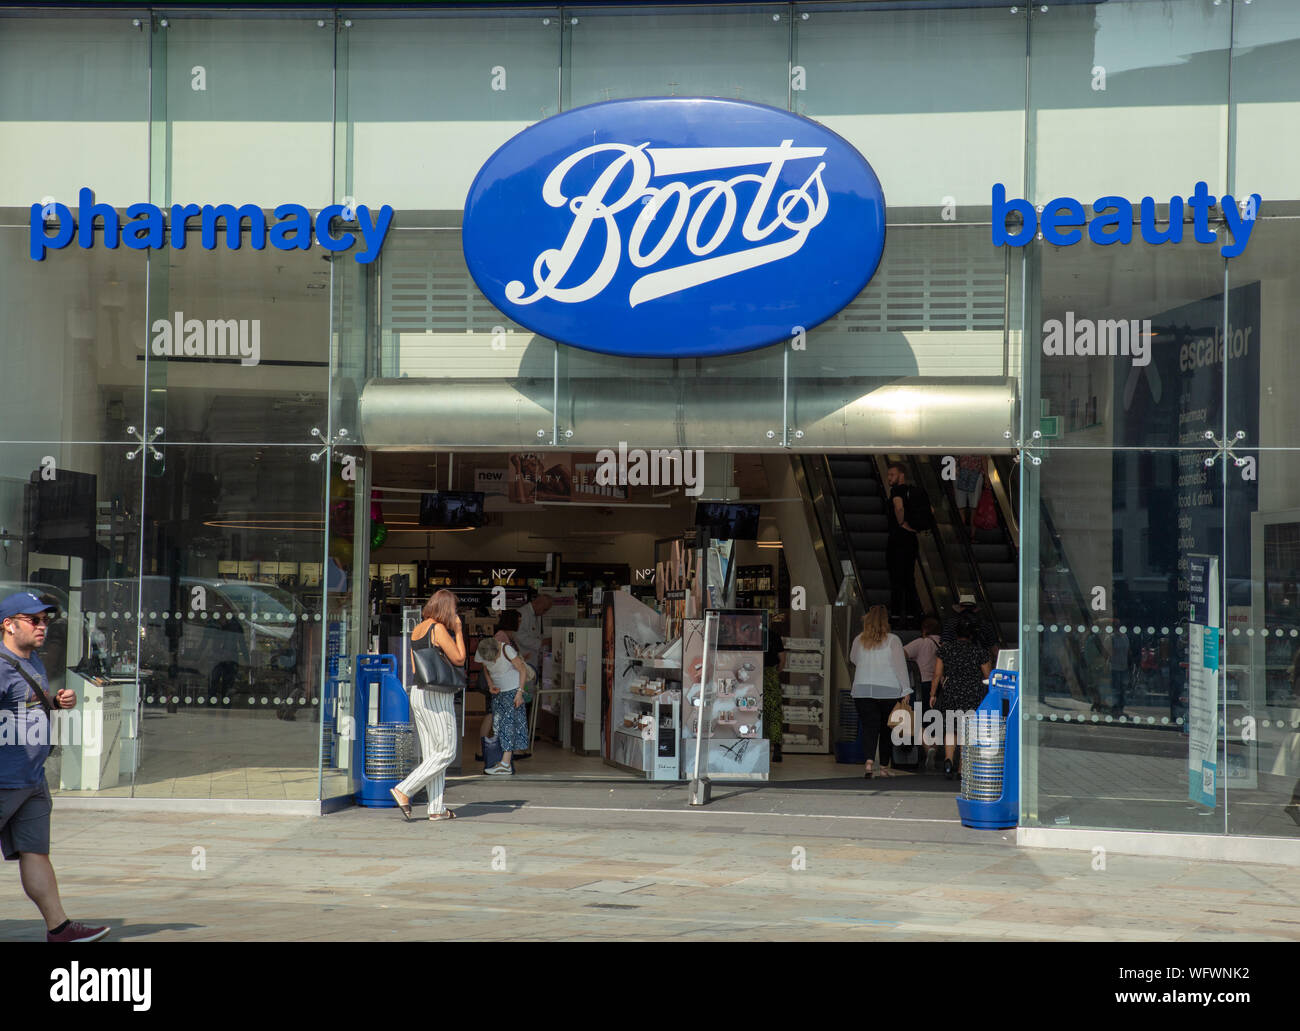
(434, 714)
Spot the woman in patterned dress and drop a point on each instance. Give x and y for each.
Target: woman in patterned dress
(961, 667)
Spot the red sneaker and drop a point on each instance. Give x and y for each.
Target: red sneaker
(76, 932)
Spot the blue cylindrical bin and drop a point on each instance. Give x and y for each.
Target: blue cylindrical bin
(386, 738)
(990, 764)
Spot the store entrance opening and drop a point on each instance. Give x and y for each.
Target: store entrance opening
(601, 588)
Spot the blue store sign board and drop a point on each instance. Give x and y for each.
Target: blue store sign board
(673, 226)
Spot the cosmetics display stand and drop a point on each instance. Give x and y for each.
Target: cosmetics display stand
(641, 682)
(731, 699)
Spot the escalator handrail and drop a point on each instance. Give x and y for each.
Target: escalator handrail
(1009, 538)
(1048, 524)
(833, 496)
(953, 518)
(813, 480)
(813, 474)
(1002, 495)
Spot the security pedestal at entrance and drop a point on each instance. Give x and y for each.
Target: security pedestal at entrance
(383, 741)
(990, 768)
(93, 732)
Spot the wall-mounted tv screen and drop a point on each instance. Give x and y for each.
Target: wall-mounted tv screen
(728, 522)
(451, 508)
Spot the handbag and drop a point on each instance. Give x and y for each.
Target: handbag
(900, 721)
(986, 513)
(434, 671)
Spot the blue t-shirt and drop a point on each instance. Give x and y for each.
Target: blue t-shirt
(24, 726)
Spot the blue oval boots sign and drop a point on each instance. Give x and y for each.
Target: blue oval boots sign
(674, 226)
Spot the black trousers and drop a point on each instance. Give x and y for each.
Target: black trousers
(901, 551)
(873, 718)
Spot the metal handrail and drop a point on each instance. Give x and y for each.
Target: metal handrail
(1002, 495)
(812, 477)
(817, 488)
(1046, 522)
(976, 577)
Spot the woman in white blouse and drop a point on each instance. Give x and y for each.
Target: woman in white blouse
(879, 680)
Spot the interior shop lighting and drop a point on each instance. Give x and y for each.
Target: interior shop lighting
(306, 523)
(433, 529)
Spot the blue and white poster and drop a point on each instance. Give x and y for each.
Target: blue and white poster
(1203, 667)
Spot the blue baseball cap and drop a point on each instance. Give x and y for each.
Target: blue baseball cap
(24, 603)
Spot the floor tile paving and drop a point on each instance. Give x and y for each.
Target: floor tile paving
(797, 864)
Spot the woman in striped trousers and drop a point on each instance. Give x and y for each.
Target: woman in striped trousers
(434, 712)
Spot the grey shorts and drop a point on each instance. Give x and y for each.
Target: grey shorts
(25, 820)
(969, 498)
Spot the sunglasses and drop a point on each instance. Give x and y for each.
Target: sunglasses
(41, 620)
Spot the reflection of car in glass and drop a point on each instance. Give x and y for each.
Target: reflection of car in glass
(231, 638)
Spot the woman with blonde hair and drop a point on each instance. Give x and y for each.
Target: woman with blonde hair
(879, 680)
(434, 712)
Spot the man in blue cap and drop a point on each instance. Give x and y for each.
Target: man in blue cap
(25, 708)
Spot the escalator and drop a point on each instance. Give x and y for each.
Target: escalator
(859, 496)
(950, 563)
(988, 565)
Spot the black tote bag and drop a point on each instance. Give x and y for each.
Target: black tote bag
(433, 670)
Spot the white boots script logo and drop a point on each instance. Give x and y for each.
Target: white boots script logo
(688, 208)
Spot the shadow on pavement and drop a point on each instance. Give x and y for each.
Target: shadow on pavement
(122, 930)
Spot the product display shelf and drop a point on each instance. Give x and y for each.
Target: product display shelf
(805, 712)
(650, 748)
(660, 666)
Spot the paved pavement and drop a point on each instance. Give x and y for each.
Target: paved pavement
(555, 860)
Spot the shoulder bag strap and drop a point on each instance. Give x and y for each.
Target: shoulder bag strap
(41, 696)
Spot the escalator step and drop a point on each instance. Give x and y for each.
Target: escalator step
(1002, 592)
(864, 522)
(864, 543)
(866, 504)
(853, 467)
(855, 487)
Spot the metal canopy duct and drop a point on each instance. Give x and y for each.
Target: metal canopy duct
(732, 413)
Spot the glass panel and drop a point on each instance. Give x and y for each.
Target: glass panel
(73, 336)
(1128, 99)
(248, 107)
(442, 347)
(910, 89)
(738, 53)
(1262, 647)
(1263, 301)
(239, 344)
(1124, 346)
(233, 628)
(1105, 636)
(427, 100)
(74, 108)
(1266, 104)
(925, 357)
(69, 521)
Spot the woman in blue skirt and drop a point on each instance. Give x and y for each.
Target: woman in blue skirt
(505, 673)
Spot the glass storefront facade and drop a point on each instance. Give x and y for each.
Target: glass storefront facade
(195, 510)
